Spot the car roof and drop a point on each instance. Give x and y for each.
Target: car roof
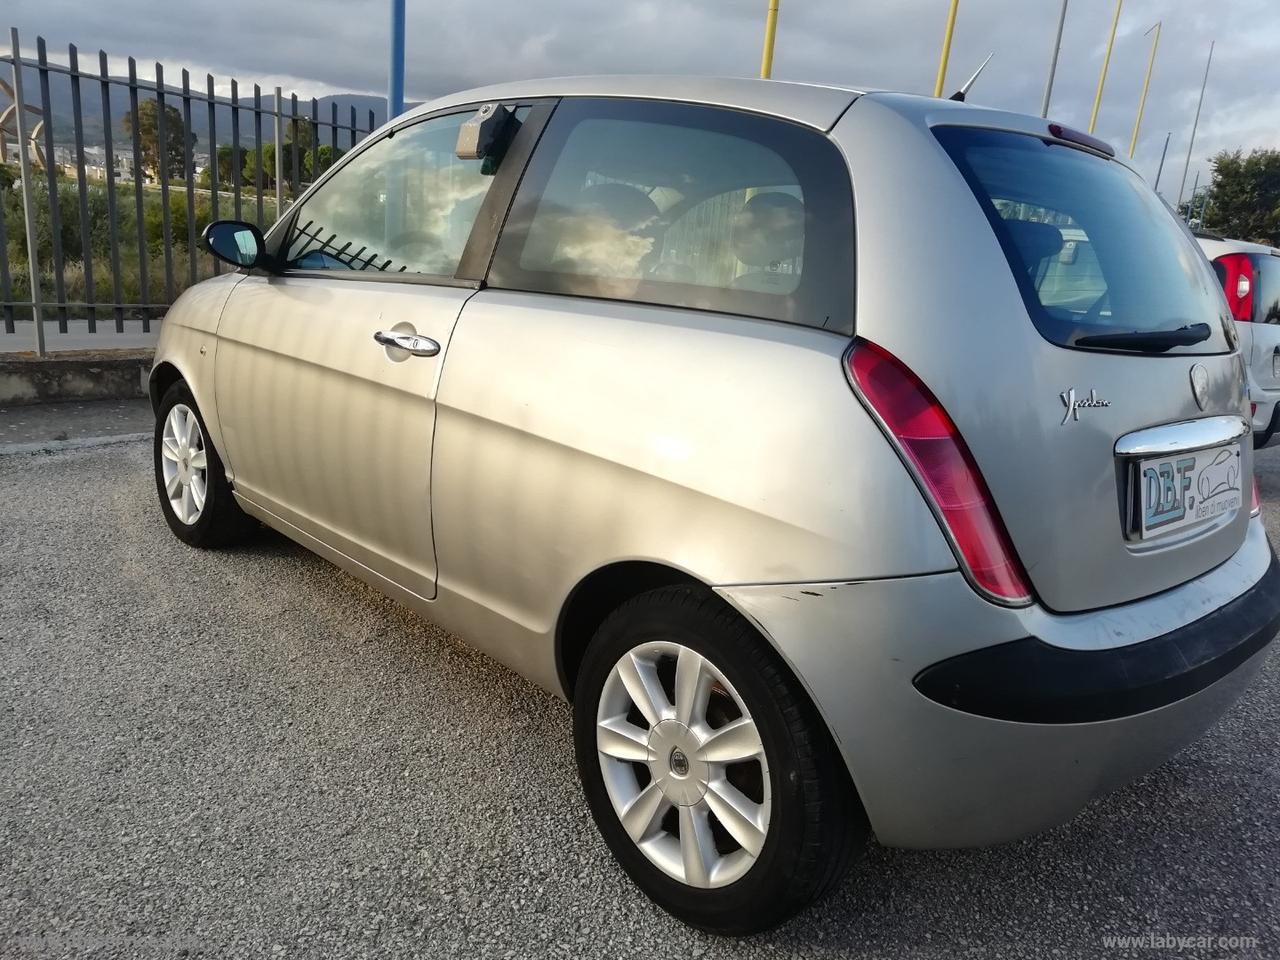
(813, 105)
(1217, 246)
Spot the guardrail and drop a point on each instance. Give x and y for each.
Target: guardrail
(104, 178)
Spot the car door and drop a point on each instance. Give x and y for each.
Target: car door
(664, 268)
(327, 370)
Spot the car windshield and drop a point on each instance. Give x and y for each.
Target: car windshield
(1100, 260)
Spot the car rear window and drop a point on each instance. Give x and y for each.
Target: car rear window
(1094, 250)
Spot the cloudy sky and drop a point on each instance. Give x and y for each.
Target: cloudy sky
(326, 46)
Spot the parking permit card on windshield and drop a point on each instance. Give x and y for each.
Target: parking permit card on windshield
(1188, 488)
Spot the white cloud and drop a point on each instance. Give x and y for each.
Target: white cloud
(323, 46)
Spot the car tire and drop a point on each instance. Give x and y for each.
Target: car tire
(194, 494)
(796, 794)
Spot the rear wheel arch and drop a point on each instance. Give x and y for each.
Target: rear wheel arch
(596, 596)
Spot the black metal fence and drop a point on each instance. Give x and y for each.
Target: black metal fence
(107, 181)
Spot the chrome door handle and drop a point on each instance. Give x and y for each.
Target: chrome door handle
(412, 343)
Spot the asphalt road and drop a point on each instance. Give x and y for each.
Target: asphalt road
(249, 753)
(51, 424)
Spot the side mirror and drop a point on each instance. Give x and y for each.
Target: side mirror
(239, 244)
(485, 134)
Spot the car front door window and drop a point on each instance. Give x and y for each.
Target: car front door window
(404, 205)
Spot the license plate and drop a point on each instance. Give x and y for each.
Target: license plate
(1188, 488)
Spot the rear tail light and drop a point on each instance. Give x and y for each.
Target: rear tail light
(1255, 508)
(944, 467)
(1237, 284)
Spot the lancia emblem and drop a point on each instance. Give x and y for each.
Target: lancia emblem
(679, 763)
(1200, 385)
(1074, 405)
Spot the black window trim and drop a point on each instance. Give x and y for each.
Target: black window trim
(483, 238)
(846, 179)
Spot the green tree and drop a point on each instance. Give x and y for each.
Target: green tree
(1244, 198)
(153, 221)
(249, 176)
(178, 144)
(327, 155)
(299, 131)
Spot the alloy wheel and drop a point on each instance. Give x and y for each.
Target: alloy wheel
(683, 764)
(184, 462)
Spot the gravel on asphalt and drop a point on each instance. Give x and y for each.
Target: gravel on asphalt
(249, 753)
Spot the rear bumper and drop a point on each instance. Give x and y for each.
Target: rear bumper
(1028, 714)
(1030, 681)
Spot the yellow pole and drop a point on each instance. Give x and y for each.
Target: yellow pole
(1146, 84)
(770, 28)
(946, 49)
(1106, 61)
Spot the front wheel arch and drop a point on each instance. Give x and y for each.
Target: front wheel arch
(163, 376)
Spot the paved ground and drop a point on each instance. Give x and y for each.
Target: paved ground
(251, 754)
(52, 423)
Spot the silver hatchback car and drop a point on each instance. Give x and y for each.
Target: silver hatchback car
(853, 462)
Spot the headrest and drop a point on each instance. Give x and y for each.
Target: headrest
(630, 208)
(1034, 241)
(768, 228)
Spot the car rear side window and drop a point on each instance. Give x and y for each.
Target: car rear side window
(1094, 251)
(686, 206)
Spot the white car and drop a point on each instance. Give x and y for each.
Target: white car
(1250, 276)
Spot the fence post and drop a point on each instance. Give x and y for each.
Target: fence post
(51, 175)
(279, 153)
(189, 174)
(162, 164)
(28, 201)
(82, 192)
(113, 220)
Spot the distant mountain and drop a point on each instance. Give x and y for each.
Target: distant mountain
(62, 111)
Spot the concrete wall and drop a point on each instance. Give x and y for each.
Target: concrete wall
(88, 376)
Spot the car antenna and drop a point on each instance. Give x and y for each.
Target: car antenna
(968, 84)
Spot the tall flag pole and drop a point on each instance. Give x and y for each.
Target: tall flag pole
(1196, 123)
(1053, 63)
(395, 72)
(1163, 153)
(770, 29)
(1106, 62)
(1146, 85)
(946, 49)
